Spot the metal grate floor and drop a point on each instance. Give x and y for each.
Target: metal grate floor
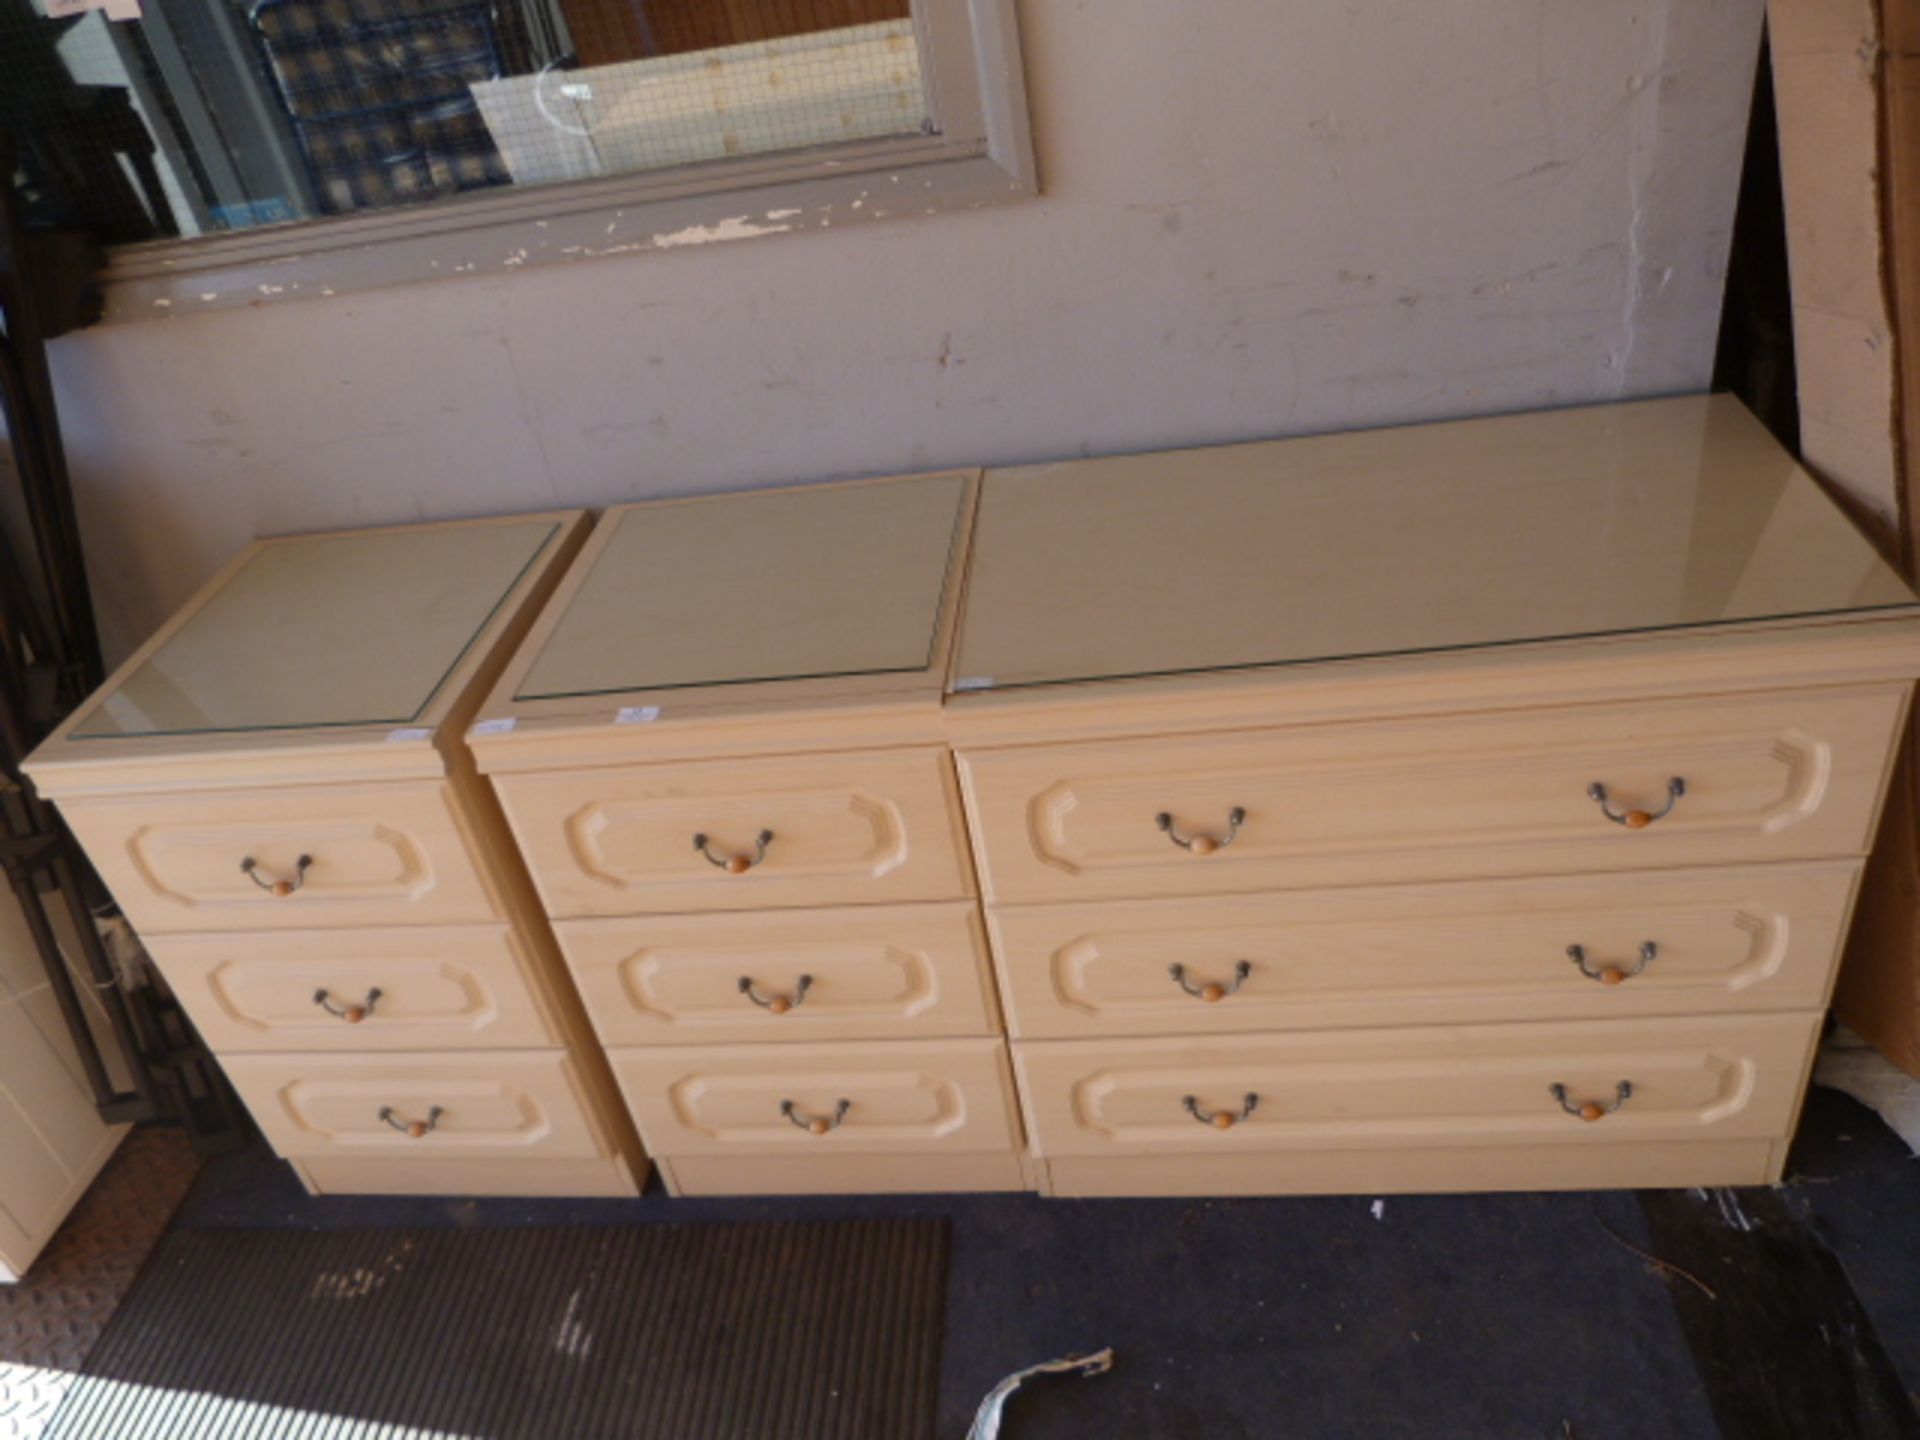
(50, 1321)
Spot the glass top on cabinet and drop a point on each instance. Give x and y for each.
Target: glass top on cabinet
(1610, 520)
(814, 582)
(325, 630)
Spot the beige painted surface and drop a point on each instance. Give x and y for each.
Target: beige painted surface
(1566, 524)
(422, 987)
(293, 607)
(814, 618)
(1656, 1165)
(1771, 777)
(1123, 826)
(843, 1173)
(1760, 938)
(847, 829)
(359, 629)
(905, 1098)
(876, 972)
(601, 1176)
(1827, 71)
(52, 1140)
(407, 849)
(790, 585)
(1286, 220)
(382, 855)
(1735, 1077)
(521, 1104)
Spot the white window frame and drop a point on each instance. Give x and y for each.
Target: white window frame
(981, 152)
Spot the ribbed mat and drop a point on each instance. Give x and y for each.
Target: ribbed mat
(796, 1330)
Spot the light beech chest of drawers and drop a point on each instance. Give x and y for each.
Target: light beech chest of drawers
(722, 752)
(1467, 806)
(276, 790)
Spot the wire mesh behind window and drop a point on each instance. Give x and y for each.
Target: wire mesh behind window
(147, 119)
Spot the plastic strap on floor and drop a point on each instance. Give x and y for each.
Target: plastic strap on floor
(986, 1421)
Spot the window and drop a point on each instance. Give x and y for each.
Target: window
(235, 149)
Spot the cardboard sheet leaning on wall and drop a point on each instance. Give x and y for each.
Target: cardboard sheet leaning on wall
(1847, 85)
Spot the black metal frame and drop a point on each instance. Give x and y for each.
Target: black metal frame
(49, 662)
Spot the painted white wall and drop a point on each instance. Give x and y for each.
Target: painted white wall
(1260, 219)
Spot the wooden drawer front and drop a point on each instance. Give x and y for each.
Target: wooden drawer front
(904, 1098)
(380, 855)
(1759, 938)
(1366, 1089)
(1770, 777)
(847, 829)
(875, 972)
(417, 987)
(502, 1103)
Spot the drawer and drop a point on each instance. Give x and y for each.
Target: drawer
(1689, 1078)
(378, 855)
(844, 829)
(422, 987)
(869, 972)
(899, 1098)
(1676, 942)
(529, 1104)
(1767, 777)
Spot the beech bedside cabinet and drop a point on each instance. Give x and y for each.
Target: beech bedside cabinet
(276, 790)
(1458, 807)
(722, 752)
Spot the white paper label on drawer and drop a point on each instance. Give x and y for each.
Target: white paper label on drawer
(637, 715)
(495, 727)
(974, 682)
(411, 732)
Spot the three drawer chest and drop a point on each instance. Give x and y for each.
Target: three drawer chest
(1467, 806)
(277, 792)
(722, 751)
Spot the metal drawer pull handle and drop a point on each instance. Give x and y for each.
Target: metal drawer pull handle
(1215, 992)
(1202, 844)
(1636, 819)
(736, 864)
(281, 888)
(412, 1129)
(778, 1004)
(816, 1124)
(1592, 1109)
(1612, 974)
(352, 1014)
(1220, 1119)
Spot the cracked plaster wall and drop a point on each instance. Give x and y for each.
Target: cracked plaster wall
(1259, 219)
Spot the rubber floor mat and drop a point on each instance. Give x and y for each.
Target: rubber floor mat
(802, 1331)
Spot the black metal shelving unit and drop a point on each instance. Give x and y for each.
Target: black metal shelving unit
(49, 662)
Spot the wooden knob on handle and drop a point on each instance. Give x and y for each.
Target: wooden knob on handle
(779, 1005)
(1636, 819)
(1213, 994)
(819, 1125)
(1592, 1110)
(355, 1014)
(738, 865)
(282, 889)
(1612, 975)
(1223, 1119)
(417, 1130)
(1203, 845)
